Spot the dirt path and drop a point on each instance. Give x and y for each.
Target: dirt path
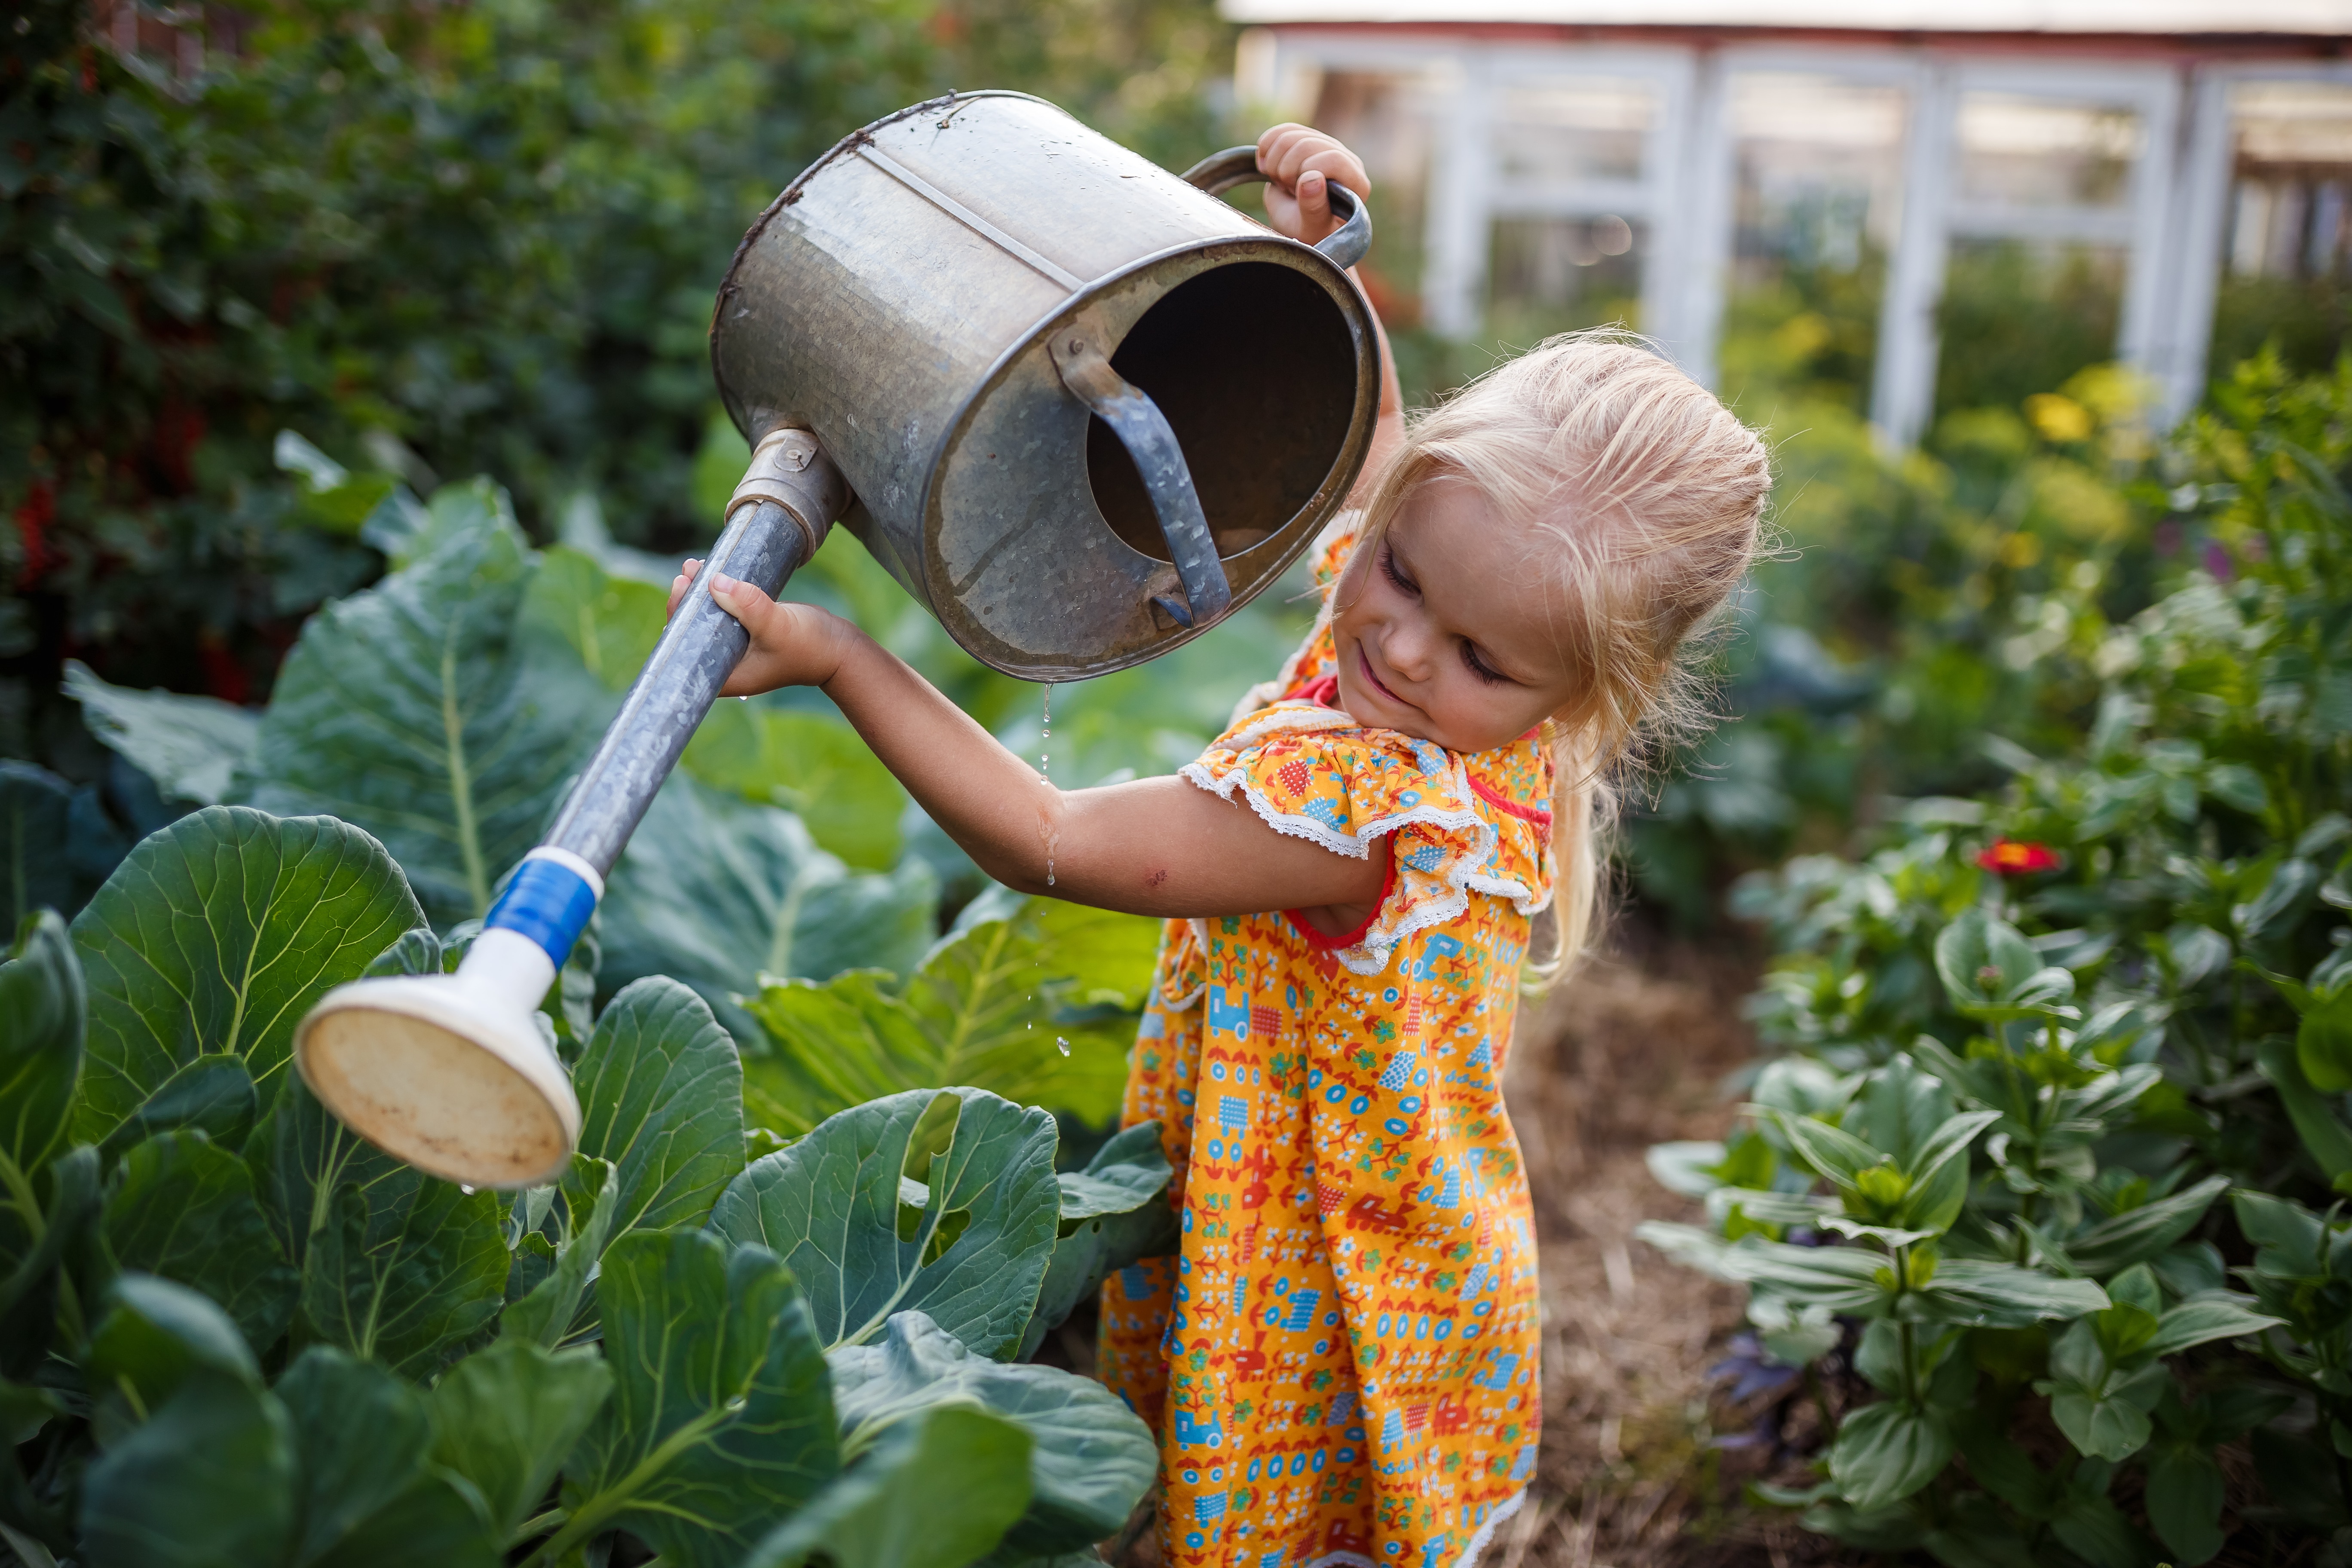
(1631, 1052)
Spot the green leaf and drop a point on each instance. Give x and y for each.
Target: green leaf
(1974, 942)
(2324, 1133)
(1113, 1213)
(2184, 1502)
(1092, 1457)
(153, 1336)
(830, 1206)
(361, 1436)
(1688, 1169)
(937, 1490)
(405, 711)
(212, 1095)
(721, 1423)
(191, 746)
(1887, 1451)
(2102, 1409)
(1835, 1154)
(986, 1008)
(435, 1520)
(30, 1287)
(607, 624)
(183, 1208)
(405, 1283)
(661, 1096)
(1898, 1111)
(1997, 1296)
(2140, 1235)
(2223, 1315)
(301, 1157)
(41, 1020)
(206, 1482)
(2323, 1043)
(718, 893)
(551, 1313)
(2290, 1237)
(2113, 1427)
(508, 1415)
(215, 936)
(1841, 1279)
(2092, 1528)
(1103, 957)
(1947, 1143)
(55, 844)
(811, 764)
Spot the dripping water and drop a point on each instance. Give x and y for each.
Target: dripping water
(1045, 777)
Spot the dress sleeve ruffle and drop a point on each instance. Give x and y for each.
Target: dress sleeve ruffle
(1312, 773)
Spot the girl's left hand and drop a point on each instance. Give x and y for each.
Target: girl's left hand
(792, 645)
(1300, 160)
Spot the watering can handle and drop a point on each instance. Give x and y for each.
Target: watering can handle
(1220, 171)
(1151, 446)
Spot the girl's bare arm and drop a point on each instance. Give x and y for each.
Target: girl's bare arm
(1155, 847)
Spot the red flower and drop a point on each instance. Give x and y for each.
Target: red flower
(2017, 857)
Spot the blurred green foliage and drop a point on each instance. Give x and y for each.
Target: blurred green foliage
(1914, 602)
(2108, 990)
(438, 241)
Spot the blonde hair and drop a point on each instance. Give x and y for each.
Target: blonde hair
(1647, 496)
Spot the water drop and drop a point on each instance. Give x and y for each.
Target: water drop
(1063, 1043)
(1044, 755)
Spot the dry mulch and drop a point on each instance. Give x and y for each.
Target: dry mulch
(1634, 1050)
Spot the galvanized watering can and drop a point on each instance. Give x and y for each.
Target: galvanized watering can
(1079, 408)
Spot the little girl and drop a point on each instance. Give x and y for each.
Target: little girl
(1341, 1361)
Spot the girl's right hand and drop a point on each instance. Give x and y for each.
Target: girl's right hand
(792, 645)
(1300, 160)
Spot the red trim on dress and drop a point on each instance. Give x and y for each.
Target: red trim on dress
(1323, 691)
(1316, 939)
(1533, 814)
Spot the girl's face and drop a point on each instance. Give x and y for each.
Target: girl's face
(1443, 627)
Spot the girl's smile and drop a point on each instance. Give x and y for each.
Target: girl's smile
(1443, 632)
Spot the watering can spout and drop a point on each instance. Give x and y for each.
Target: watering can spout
(453, 1073)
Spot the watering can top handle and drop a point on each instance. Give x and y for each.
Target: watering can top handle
(1220, 171)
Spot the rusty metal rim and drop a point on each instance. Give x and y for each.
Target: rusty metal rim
(860, 137)
(1344, 471)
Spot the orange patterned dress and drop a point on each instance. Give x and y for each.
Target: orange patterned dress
(1341, 1361)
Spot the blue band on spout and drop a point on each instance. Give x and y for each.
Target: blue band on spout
(547, 901)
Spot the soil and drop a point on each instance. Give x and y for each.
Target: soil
(1633, 1050)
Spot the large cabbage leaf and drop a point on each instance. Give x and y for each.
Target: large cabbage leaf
(938, 1200)
(213, 937)
(409, 710)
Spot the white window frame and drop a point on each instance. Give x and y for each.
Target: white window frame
(2170, 222)
(2183, 336)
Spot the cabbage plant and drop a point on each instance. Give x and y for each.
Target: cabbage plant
(232, 1333)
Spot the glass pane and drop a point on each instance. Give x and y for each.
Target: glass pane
(2034, 152)
(1549, 275)
(1817, 199)
(1386, 120)
(1573, 129)
(2020, 318)
(2287, 261)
